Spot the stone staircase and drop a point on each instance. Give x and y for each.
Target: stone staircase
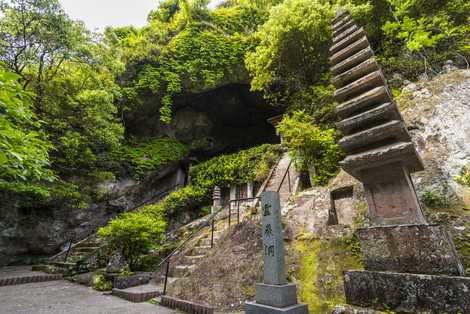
(188, 260)
(78, 254)
(277, 178)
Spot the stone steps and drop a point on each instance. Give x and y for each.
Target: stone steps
(394, 129)
(85, 249)
(193, 259)
(141, 293)
(387, 111)
(18, 280)
(200, 250)
(182, 270)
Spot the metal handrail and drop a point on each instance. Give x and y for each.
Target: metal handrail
(75, 240)
(209, 221)
(287, 173)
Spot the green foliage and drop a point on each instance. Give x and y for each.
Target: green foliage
(464, 177)
(310, 146)
(134, 234)
(418, 36)
(36, 37)
(100, 283)
(24, 150)
(246, 165)
(290, 63)
(150, 155)
(422, 24)
(434, 199)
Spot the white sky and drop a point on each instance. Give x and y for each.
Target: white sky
(97, 14)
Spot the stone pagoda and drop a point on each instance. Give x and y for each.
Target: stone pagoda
(411, 266)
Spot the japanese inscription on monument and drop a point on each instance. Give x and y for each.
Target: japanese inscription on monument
(273, 242)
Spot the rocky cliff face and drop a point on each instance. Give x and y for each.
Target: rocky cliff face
(26, 234)
(437, 113)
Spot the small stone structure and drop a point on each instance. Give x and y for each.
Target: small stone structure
(380, 154)
(216, 199)
(274, 295)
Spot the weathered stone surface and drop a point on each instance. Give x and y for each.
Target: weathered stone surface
(383, 112)
(340, 22)
(364, 68)
(391, 196)
(376, 157)
(255, 308)
(347, 40)
(421, 249)
(352, 61)
(392, 130)
(116, 263)
(345, 25)
(275, 295)
(408, 293)
(344, 34)
(365, 83)
(365, 101)
(346, 309)
(121, 282)
(349, 51)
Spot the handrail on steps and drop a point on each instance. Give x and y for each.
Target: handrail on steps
(210, 221)
(86, 235)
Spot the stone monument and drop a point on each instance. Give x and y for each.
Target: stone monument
(216, 199)
(274, 295)
(405, 258)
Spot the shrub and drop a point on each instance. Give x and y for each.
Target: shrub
(101, 284)
(246, 165)
(311, 146)
(133, 234)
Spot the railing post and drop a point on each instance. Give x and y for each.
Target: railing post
(68, 251)
(166, 276)
(212, 234)
(229, 214)
(238, 212)
(288, 178)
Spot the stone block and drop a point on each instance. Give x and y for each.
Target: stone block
(408, 293)
(352, 61)
(391, 196)
(348, 39)
(345, 34)
(421, 249)
(404, 152)
(276, 296)
(364, 68)
(345, 25)
(255, 308)
(387, 111)
(364, 102)
(349, 51)
(394, 129)
(365, 83)
(131, 281)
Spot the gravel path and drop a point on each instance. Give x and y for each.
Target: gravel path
(63, 297)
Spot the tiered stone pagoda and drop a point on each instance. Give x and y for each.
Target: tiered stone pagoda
(408, 262)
